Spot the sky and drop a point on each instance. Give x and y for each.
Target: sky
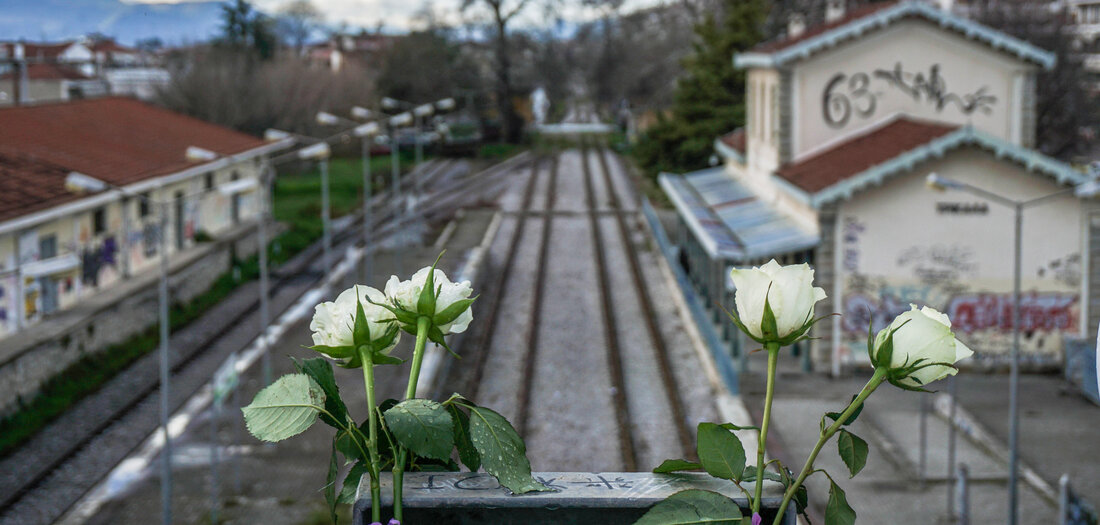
(402, 14)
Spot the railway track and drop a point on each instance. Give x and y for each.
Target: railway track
(110, 418)
(570, 347)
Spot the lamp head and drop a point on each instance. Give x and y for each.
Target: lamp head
(404, 119)
(327, 119)
(197, 154)
(370, 128)
(935, 182)
(390, 103)
(275, 135)
(80, 183)
(425, 110)
(318, 151)
(446, 104)
(360, 112)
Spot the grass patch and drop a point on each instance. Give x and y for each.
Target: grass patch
(297, 199)
(498, 150)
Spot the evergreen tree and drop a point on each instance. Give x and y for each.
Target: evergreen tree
(710, 98)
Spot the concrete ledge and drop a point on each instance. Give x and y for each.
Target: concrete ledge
(579, 497)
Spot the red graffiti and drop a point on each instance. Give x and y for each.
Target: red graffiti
(1038, 312)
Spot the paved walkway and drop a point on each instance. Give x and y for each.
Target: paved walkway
(1059, 430)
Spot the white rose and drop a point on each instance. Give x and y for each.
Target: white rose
(407, 293)
(922, 334)
(334, 321)
(789, 292)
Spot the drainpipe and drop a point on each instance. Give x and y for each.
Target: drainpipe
(19, 75)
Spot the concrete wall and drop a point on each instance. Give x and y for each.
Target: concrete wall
(24, 372)
(902, 243)
(912, 67)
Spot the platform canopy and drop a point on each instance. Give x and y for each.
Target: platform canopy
(729, 221)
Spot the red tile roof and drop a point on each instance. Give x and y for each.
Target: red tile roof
(735, 139)
(28, 185)
(118, 140)
(49, 72)
(853, 156)
(810, 32)
(40, 50)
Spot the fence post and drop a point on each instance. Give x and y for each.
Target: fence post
(962, 487)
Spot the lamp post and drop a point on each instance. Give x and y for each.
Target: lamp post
(365, 132)
(1089, 189)
(320, 151)
(80, 183)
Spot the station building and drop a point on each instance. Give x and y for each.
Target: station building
(845, 121)
(58, 245)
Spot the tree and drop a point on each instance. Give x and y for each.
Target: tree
(1065, 108)
(245, 29)
(502, 13)
(425, 66)
(710, 99)
(296, 21)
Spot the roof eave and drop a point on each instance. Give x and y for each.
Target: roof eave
(1031, 160)
(855, 28)
(728, 152)
(100, 199)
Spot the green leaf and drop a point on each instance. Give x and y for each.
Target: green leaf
(693, 506)
(852, 418)
(383, 359)
(452, 312)
(466, 451)
(720, 452)
(853, 450)
(422, 426)
(285, 408)
(335, 352)
(320, 370)
(361, 331)
(425, 304)
(330, 484)
(837, 511)
(750, 475)
(503, 453)
(350, 488)
(768, 328)
(676, 465)
(345, 444)
(731, 426)
(801, 499)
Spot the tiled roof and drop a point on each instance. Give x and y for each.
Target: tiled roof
(117, 140)
(33, 50)
(49, 72)
(854, 156)
(735, 139)
(861, 21)
(777, 44)
(28, 185)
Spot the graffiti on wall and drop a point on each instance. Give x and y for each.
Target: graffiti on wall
(94, 260)
(858, 94)
(1039, 312)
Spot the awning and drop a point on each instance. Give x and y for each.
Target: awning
(51, 266)
(729, 221)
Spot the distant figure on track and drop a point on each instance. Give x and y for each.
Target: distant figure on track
(540, 104)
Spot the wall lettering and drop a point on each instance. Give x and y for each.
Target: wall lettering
(845, 95)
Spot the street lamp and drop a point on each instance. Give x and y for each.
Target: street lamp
(366, 132)
(81, 183)
(1085, 190)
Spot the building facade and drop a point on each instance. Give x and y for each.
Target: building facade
(58, 245)
(845, 121)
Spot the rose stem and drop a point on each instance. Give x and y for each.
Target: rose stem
(872, 384)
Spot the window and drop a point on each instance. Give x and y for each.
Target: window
(143, 204)
(99, 220)
(47, 246)
(208, 183)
